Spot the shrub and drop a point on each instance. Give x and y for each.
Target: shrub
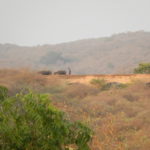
(30, 122)
(143, 68)
(100, 83)
(3, 93)
(104, 85)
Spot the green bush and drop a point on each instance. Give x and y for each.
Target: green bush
(143, 68)
(98, 82)
(3, 93)
(104, 85)
(30, 122)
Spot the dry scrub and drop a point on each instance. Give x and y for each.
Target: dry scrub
(120, 117)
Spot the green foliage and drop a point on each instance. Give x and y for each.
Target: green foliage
(104, 85)
(31, 122)
(143, 68)
(3, 93)
(98, 82)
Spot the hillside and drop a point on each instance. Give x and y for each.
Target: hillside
(116, 54)
(118, 114)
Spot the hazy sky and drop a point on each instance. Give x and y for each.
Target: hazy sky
(33, 22)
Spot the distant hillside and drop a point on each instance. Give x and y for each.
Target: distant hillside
(116, 54)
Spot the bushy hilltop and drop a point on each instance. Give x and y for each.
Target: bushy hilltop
(119, 53)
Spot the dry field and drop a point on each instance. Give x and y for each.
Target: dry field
(85, 79)
(119, 116)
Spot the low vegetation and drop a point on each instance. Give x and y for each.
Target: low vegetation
(31, 122)
(3, 93)
(118, 116)
(102, 84)
(143, 68)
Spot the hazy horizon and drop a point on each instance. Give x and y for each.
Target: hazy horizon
(39, 22)
(76, 40)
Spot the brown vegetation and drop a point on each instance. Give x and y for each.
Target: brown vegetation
(120, 117)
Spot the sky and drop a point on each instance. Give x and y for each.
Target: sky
(38, 22)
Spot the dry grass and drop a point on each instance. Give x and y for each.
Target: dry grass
(17, 80)
(120, 118)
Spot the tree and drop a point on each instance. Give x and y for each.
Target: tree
(31, 122)
(143, 68)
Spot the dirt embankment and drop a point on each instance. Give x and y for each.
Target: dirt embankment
(85, 79)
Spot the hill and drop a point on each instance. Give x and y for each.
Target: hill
(118, 114)
(119, 53)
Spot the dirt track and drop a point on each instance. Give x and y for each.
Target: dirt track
(85, 79)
